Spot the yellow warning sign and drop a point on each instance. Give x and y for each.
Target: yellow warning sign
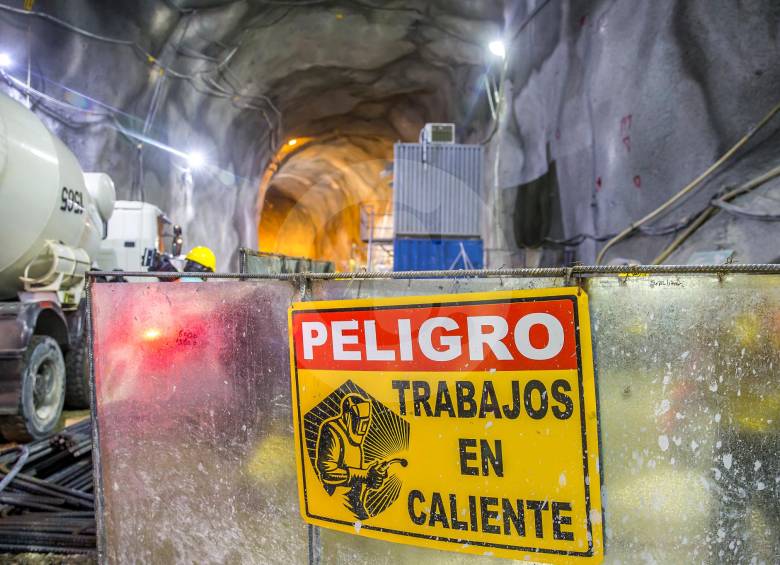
(459, 422)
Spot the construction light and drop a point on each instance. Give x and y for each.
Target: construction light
(5, 61)
(195, 160)
(292, 142)
(497, 48)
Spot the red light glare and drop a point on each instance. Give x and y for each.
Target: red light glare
(151, 334)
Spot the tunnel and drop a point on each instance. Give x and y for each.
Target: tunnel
(317, 194)
(332, 176)
(293, 109)
(484, 277)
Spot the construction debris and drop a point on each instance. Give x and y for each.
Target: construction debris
(47, 502)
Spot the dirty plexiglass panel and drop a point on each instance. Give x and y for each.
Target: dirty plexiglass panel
(689, 417)
(193, 407)
(689, 397)
(687, 371)
(345, 289)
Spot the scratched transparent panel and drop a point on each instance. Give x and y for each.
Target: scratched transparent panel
(356, 288)
(689, 413)
(690, 417)
(195, 424)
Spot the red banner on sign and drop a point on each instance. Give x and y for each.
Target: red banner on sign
(522, 335)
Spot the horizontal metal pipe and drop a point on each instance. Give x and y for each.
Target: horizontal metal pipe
(67, 473)
(65, 539)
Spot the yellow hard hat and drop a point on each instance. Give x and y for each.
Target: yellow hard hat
(203, 256)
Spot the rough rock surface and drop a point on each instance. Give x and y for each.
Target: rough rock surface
(236, 81)
(630, 101)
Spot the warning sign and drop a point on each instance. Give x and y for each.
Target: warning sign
(458, 422)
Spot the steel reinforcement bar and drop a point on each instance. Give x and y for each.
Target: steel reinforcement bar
(541, 272)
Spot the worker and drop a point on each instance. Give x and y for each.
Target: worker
(340, 458)
(199, 260)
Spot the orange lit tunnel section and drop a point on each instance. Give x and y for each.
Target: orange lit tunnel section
(314, 193)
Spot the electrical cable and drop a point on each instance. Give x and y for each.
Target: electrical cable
(173, 6)
(301, 3)
(185, 51)
(22, 87)
(530, 18)
(577, 240)
(687, 189)
(142, 51)
(678, 241)
(722, 202)
(386, 8)
(712, 209)
(38, 105)
(105, 116)
(580, 238)
(106, 39)
(739, 211)
(670, 229)
(67, 25)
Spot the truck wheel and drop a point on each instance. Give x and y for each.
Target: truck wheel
(77, 393)
(43, 393)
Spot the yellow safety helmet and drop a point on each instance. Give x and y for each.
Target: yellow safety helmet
(203, 256)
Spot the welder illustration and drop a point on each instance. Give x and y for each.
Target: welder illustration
(340, 456)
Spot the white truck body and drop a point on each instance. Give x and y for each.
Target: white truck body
(45, 199)
(53, 220)
(134, 227)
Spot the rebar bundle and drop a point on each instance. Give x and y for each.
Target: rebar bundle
(47, 503)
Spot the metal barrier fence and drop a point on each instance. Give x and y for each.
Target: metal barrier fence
(194, 421)
(259, 262)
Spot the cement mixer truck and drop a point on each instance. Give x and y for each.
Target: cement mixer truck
(53, 218)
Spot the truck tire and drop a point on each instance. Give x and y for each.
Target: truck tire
(77, 394)
(43, 393)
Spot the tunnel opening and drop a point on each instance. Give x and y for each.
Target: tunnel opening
(320, 196)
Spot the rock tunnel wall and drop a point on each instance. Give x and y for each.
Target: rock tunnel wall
(236, 80)
(631, 101)
(140, 80)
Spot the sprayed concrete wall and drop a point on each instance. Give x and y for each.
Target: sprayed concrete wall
(631, 101)
(236, 80)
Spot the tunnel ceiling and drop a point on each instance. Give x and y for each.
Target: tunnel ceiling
(350, 79)
(237, 81)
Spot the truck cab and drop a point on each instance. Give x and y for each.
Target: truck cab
(134, 228)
